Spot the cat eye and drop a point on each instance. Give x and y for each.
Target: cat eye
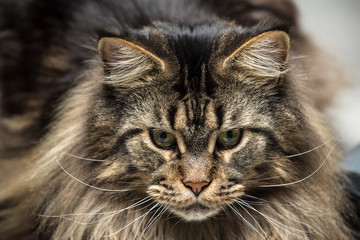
(162, 139)
(229, 139)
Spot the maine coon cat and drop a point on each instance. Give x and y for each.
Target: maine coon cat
(167, 120)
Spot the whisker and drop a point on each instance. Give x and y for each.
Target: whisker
(136, 219)
(271, 220)
(81, 158)
(252, 217)
(142, 201)
(266, 201)
(246, 221)
(101, 219)
(159, 210)
(168, 215)
(88, 185)
(226, 211)
(253, 203)
(98, 160)
(307, 177)
(137, 230)
(151, 222)
(96, 221)
(311, 150)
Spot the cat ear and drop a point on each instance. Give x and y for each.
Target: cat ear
(264, 55)
(125, 62)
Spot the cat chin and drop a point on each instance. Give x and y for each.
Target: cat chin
(195, 213)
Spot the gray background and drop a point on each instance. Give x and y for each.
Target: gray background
(334, 25)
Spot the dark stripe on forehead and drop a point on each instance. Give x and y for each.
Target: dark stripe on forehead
(195, 80)
(210, 84)
(195, 111)
(196, 106)
(219, 112)
(180, 85)
(171, 116)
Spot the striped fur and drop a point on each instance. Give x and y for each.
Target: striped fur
(194, 69)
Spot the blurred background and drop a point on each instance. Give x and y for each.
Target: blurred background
(334, 25)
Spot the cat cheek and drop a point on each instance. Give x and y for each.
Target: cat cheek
(113, 170)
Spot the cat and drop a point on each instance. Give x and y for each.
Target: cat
(186, 119)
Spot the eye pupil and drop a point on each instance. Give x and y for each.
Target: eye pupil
(162, 139)
(229, 136)
(229, 139)
(163, 136)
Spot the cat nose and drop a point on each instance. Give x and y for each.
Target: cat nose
(196, 187)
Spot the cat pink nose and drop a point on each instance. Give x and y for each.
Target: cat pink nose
(196, 187)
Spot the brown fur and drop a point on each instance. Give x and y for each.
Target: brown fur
(97, 174)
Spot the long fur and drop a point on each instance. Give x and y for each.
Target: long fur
(94, 173)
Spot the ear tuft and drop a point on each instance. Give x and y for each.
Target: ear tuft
(264, 55)
(125, 62)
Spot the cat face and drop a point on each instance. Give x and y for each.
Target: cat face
(197, 136)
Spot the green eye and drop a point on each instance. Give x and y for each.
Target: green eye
(229, 139)
(162, 139)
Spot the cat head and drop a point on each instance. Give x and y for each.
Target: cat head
(197, 116)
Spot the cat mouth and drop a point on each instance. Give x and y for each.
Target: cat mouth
(196, 212)
(196, 207)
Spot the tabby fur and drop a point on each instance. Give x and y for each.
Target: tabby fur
(84, 87)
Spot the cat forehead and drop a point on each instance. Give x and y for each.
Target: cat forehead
(192, 43)
(195, 49)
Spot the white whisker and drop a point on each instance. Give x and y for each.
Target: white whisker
(246, 221)
(262, 230)
(142, 220)
(266, 201)
(311, 150)
(169, 212)
(142, 201)
(253, 203)
(271, 220)
(81, 158)
(88, 185)
(307, 177)
(227, 213)
(103, 218)
(136, 219)
(98, 160)
(152, 220)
